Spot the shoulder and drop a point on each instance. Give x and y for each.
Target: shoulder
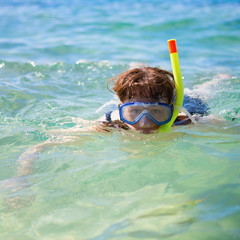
(118, 124)
(105, 126)
(182, 120)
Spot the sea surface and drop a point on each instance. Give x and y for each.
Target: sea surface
(60, 180)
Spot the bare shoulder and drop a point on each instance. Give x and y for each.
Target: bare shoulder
(182, 119)
(108, 126)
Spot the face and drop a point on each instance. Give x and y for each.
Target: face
(145, 124)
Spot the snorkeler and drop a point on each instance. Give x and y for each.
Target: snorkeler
(149, 101)
(151, 98)
(147, 98)
(147, 95)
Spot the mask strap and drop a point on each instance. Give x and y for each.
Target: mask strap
(184, 110)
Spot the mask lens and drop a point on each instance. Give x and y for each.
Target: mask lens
(160, 113)
(133, 112)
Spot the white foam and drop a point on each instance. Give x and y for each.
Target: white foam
(133, 65)
(32, 63)
(207, 89)
(81, 61)
(210, 119)
(108, 106)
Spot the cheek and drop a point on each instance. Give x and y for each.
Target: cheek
(149, 125)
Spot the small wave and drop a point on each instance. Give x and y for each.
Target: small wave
(231, 114)
(170, 25)
(29, 66)
(208, 89)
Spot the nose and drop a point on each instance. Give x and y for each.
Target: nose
(145, 121)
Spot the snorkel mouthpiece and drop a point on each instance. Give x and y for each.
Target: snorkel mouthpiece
(178, 84)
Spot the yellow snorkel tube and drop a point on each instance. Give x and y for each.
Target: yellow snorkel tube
(178, 84)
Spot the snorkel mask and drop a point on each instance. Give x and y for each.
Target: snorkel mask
(178, 84)
(133, 112)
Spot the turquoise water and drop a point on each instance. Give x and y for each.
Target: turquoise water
(55, 60)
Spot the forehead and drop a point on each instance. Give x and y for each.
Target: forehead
(147, 91)
(147, 100)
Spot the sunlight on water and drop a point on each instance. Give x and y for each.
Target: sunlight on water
(61, 180)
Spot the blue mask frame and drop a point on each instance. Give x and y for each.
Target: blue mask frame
(145, 112)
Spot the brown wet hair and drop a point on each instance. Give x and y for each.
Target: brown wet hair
(146, 83)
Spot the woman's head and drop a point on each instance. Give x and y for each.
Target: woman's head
(144, 83)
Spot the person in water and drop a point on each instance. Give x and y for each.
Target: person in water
(147, 98)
